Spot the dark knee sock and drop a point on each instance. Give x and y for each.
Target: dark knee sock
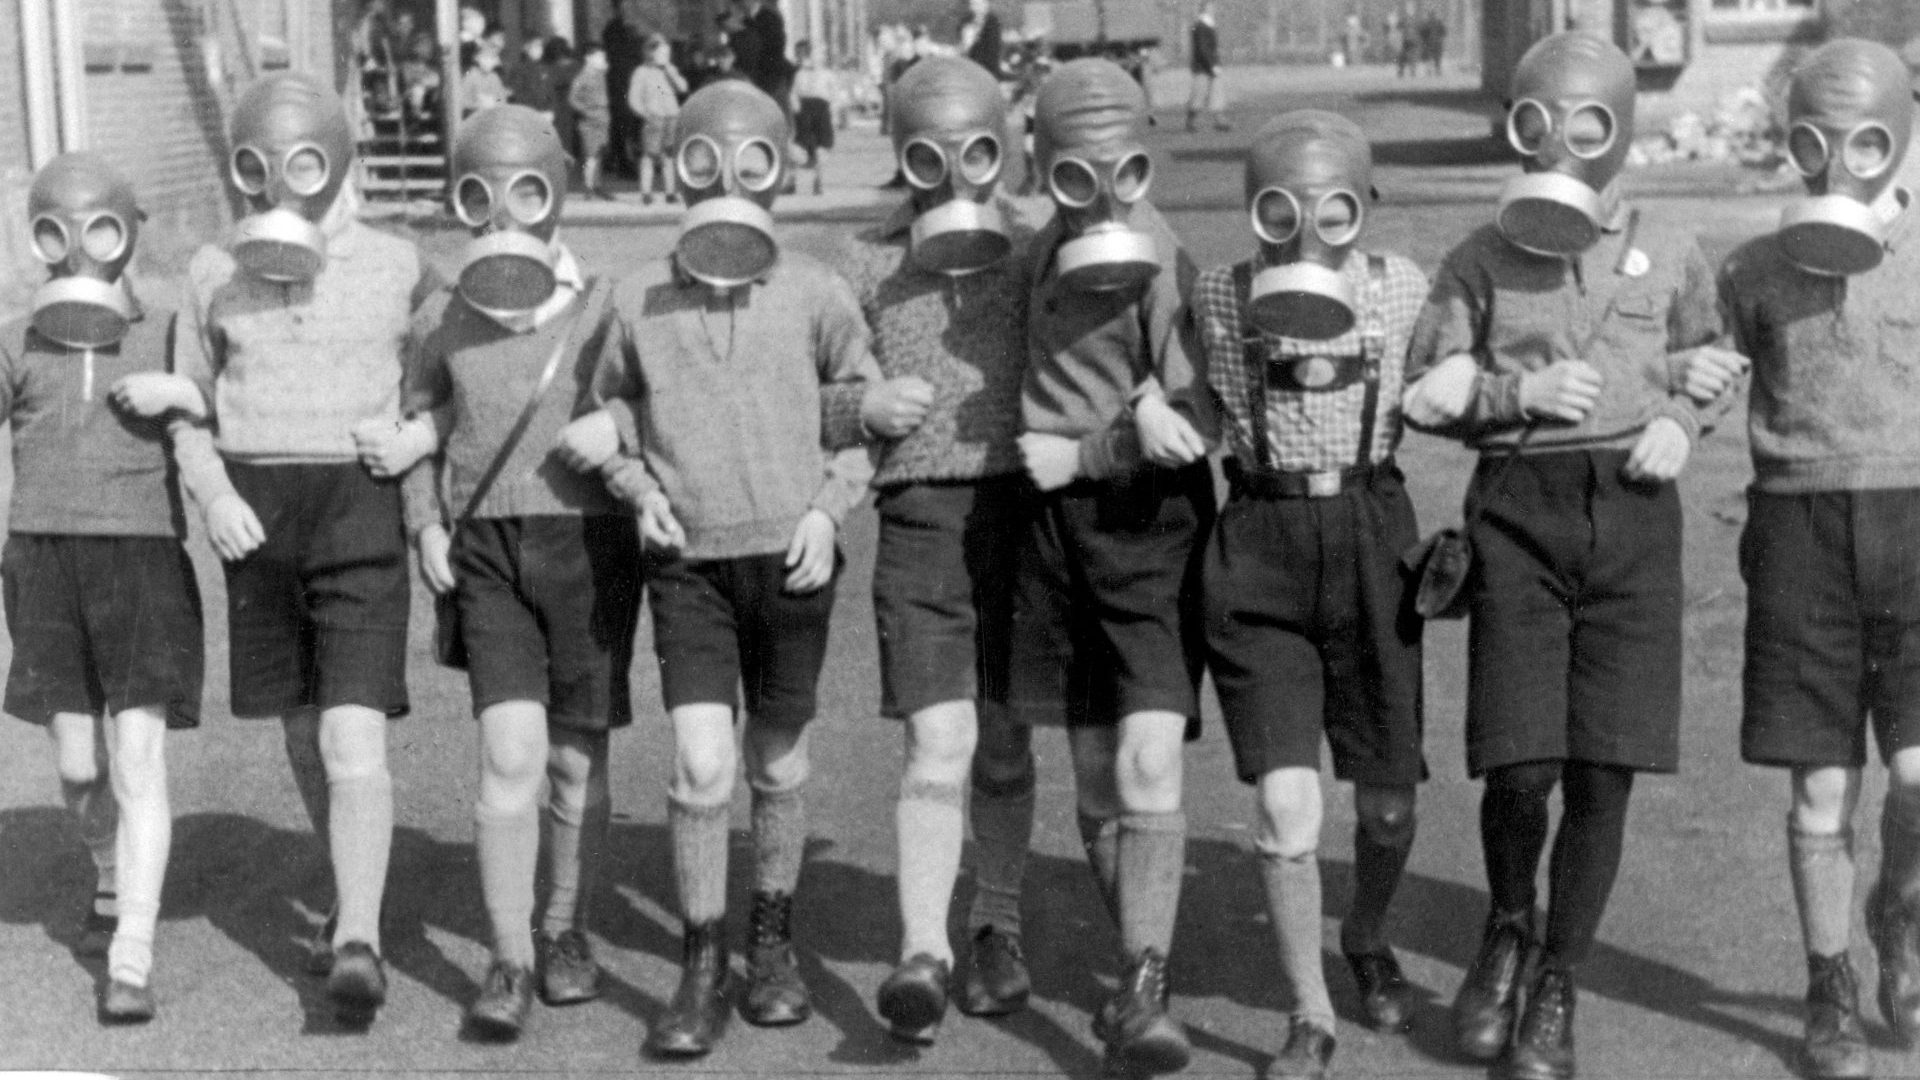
(779, 839)
(1101, 839)
(1586, 858)
(1513, 830)
(1900, 849)
(1380, 850)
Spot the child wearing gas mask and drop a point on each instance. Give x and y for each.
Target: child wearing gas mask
(1106, 627)
(292, 345)
(101, 600)
(1308, 625)
(1546, 345)
(711, 355)
(543, 563)
(1823, 306)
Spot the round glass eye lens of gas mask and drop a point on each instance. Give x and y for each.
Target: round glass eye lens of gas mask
(980, 159)
(1868, 151)
(699, 163)
(1807, 149)
(756, 165)
(1337, 217)
(1073, 183)
(50, 240)
(1528, 127)
(1276, 215)
(249, 171)
(529, 198)
(306, 171)
(924, 164)
(105, 238)
(473, 201)
(1590, 131)
(1131, 177)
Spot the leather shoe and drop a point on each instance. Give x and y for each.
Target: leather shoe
(1896, 941)
(1485, 1009)
(776, 995)
(1384, 998)
(697, 1015)
(914, 998)
(568, 974)
(125, 1003)
(504, 1002)
(1543, 1045)
(1308, 1053)
(996, 982)
(1141, 1035)
(358, 982)
(1835, 1044)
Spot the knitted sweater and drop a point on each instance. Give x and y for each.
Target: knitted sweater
(1836, 366)
(721, 394)
(965, 336)
(488, 373)
(291, 369)
(81, 466)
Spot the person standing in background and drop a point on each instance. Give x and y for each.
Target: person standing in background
(530, 81)
(1433, 39)
(654, 96)
(981, 38)
(1407, 52)
(1204, 61)
(813, 112)
(593, 116)
(562, 68)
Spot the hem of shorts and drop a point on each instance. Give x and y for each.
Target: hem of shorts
(1804, 760)
(1846, 474)
(254, 712)
(1478, 767)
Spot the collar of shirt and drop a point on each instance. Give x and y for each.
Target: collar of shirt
(567, 283)
(686, 280)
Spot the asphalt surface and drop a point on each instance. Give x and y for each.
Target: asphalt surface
(1698, 972)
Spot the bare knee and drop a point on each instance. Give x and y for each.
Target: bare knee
(76, 749)
(777, 757)
(1824, 799)
(1290, 812)
(1148, 769)
(353, 742)
(941, 741)
(139, 755)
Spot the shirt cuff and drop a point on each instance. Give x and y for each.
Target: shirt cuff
(628, 480)
(841, 424)
(626, 422)
(1682, 413)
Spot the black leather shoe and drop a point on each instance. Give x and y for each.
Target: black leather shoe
(1835, 1046)
(358, 982)
(776, 996)
(1484, 1009)
(914, 998)
(125, 1003)
(1384, 997)
(1896, 940)
(500, 1012)
(697, 1015)
(996, 982)
(1543, 1044)
(1307, 1055)
(568, 974)
(1141, 1036)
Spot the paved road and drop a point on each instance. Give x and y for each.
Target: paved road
(1698, 973)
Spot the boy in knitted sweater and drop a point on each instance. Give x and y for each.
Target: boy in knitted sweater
(101, 600)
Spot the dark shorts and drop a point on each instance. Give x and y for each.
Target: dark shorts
(1107, 613)
(1833, 626)
(656, 135)
(1574, 649)
(102, 623)
(813, 125)
(547, 610)
(943, 591)
(593, 139)
(724, 626)
(317, 616)
(1309, 628)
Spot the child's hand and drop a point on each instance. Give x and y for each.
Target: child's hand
(433, 547)
(1165, 436)
(1660, 453)
(1563, 390)
(895, 407)
(658, 526)
(156, 393)
(810, 554)
(1444, 393)
(1710, 370)
(1053, 461)
(589, 441)
(233, 528)
(388, 448)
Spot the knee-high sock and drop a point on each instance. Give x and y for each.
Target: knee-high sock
(1378, 864)
(1293, 906)
(779, 839)
(1153, 859)
(360, 834)
(144, 839)
(1002, 833)
(97, 814)
(699, 859)
(929, 830)
(1900, 850)
(1101, 839)
(1586, 859)
(1513, 830)
(1822, 866)
(509, 846)
(576, 846)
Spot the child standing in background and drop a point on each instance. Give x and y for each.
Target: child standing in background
(813, 112)
(654, 96)
(593, 116)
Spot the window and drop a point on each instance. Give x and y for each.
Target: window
(1739, 22)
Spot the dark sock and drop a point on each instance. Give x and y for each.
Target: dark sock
(1101, 838)
(1513, 830)
(1380, 851)
(1586, 858)
(1900, 849)
(779, 839)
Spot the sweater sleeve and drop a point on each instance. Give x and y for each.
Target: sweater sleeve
(196, 357)
(1452, 322)
(846, 366)
(618, 388)
(425, 387)
(1697, 317)
(1178, 360)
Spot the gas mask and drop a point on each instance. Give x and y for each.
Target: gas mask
(1086, 142)
(730, 161)
(510, 179)
(1309, 177)
(949, 122)
(292, 151)
(83, 219)
(1850, 117)
(1571, 119)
